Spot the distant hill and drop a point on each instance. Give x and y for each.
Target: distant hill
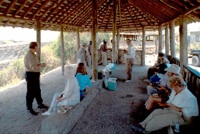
(10, 50)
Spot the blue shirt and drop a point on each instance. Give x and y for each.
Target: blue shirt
(83, 80)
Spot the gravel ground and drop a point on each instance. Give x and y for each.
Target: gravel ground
(108, 113)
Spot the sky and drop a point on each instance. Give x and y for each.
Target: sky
(25, 34)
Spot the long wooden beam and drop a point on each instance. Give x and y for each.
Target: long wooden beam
(43, 5)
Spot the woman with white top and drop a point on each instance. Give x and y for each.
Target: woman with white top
(71, 94)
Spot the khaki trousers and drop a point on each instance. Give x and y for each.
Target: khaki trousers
(128, 67)
(161, 118)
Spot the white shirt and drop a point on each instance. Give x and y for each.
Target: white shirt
(81, 55)
(186, 101)
(130, 52)
(71, 93)
(164, 80)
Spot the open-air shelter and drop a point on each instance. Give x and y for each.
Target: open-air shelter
(105, 15)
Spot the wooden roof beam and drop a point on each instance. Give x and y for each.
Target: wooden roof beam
(44, 4)
(67, 17)
(187, 12)
(54, 10)
(24, 3)
(50, 7)
(32, 5)
(106, 11)
(125, 17)
(88, 13)
(133, 15)
(72, 5)
(1, 1)
(87, 17)
(9, 8)
(172, 6)
(109, 18)
(145, 10)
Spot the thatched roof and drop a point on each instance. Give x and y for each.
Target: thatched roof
(132, 15)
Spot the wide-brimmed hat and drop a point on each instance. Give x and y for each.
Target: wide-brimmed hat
(174, 69)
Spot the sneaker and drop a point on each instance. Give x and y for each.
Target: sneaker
(42, 106)
(33, 112)
(127, 81)
(46, 113)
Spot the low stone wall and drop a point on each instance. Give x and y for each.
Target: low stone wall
(63, 123)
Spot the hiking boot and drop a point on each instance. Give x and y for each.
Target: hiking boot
(33, 112)
(42, 106)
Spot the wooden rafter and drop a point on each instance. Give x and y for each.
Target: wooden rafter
(172, 6)
(135, 13)
(43, 5)
(1, 1)
(47, 18)
(22, 6)
(81, 20)
(145, 13)
(32, 5)
(71, 5)
(135, 16)
(66, 12)
(9, 8)
(125, 17)
(50, 7)
(106, 11)
(88, 16)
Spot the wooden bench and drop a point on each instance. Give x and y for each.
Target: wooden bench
(63, 123)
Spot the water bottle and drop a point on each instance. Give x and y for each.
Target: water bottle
(176, 127)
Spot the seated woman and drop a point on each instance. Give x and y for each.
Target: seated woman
(180, 107)
(83, 79)
(71, 94)
(161, 60)
(159, 73)
(163, 83)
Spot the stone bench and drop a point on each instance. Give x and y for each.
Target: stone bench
(63, 123)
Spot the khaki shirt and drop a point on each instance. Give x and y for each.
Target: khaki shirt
(31, 62)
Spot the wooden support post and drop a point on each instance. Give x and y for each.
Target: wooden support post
(94, 41)
(167, 40)
(143, 45)
(160, 48)
(118, 39)
(114, 33)
(38, 37)
(78, 38)
(62, 49)
(172, 39)
(156, 44)
(183, 42)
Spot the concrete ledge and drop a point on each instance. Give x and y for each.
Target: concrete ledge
(63, 123)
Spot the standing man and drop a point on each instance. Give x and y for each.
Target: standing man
(104, 49)
(82, 54)
(33, 67)
(129, 59)
(89, 54)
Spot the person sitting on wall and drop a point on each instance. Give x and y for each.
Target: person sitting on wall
(161, 60)
(180, 107)
(71, 94)
(83, 79)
